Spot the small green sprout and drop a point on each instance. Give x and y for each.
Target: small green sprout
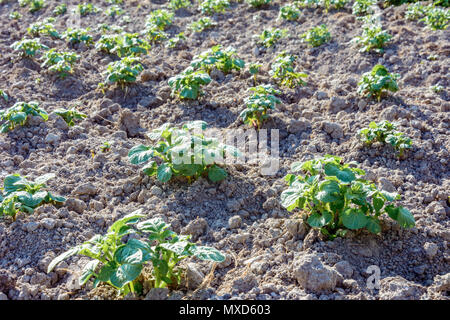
(317, 36)
(28, 47)
(60, 9)
(22, 195)
(175, 41)
(60, 62)
(186, 85)
(202, 24)
(373, 37)
(4, 95)
(269, 37)
(385, 132)
(178, 4)
(258, 104)
(124, 71)
(160, 18)
(258, 3)
(105, 147)
(437, 18)
(114, 11)
(213, 6)
(45, 28)
(289, 12)
(15, 15)
(83, 9)
(363, 7)
(70, 115)
(283, 71)
(224, 60)
(437, 88)
(374, 82)
(253, 68)
(18, 115)
(77, 35)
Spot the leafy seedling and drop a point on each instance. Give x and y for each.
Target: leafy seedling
(257, 105)
(70, 115)
(224, 60)
(282, 71)
(28, 47)
(269, 37)
(187, 85)
(124, 71)
(374, 82)
(60, 62)
(22, 195)
(334, 198)
(184, 152)
(317, 36)
(18, 115)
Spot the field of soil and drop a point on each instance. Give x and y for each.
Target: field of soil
(268, 249)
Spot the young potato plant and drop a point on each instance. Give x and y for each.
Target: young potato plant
(373, 37)
(289, 12)
(124, 71)
(258, 3)
(122, 45)
(28, 47)
(60, 9)
(385, 132)
(283, 71)
(269, 37)
(253, 68)
(326, 5)
(176, 40)
(60, 62)
(202, 24)
(182, 152)
(120, 264)
(83, 9)
(415, 11)
(334, 198)
(363, 7)
(155, 34)
(258, 104)
(374, 82)
(160, 18)
(18, 115)
(210, 7)
(45, 28)
(224, 60)
(15, 15)
(35, 5)
(4, 95)
(187, 85)
(317, 36)
(114, 11)
(77, 35)
(69, 115)
(21, 195)
(178, 4)
(436, 18)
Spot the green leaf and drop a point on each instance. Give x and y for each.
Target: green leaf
(216, 173)
(88, 271)
(155, 225)
(62, 257)
(354, 219)
(317, 220)
(208, 254)
(329, 191)
(164, 173)
(140, 154)
(402, 215)
(373, 225)
(345, 175)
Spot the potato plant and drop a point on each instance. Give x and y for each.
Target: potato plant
(289, 12)
(45, 28)
(316, 36)
(114, 11)
(176, 40)
(333, 197)
(258, 3)
(124, 71)
(415, 11)
(59, 62)
(160, 18)
(224, 60)
(18, 115)
(83, 9)
(363, 7)
(70, 115)
(77, 35)
(15, 15)
(326, 5)
(202, 24)
(187, 85)
(22, 195)
(253, 68)
(210, 7)
(184, 152)
(34, 5)
(60, 9)
(385, 132)
(374, 82)
(257, 105)
(178, 4)
(123, 45)
(373, 37)
(283, 71)
(269, 37)
(28, 47)
(436, 18)
(120, 264)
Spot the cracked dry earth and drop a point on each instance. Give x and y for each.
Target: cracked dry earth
(270, 253)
